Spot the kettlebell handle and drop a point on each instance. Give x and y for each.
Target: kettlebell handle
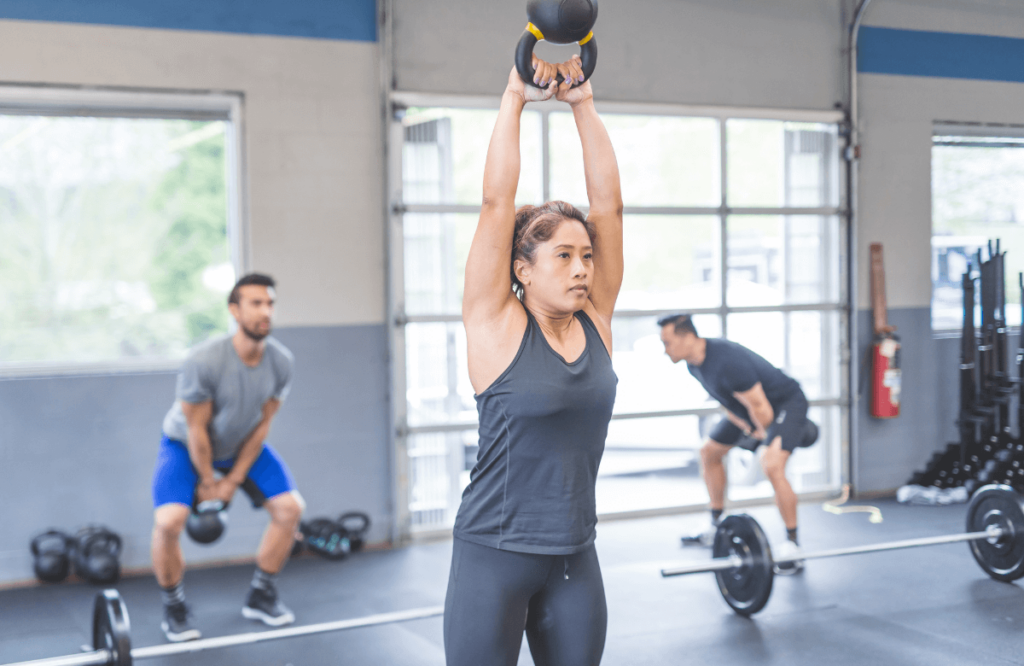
(524, 55)
(210, 505)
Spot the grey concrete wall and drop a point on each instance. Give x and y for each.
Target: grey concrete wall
(77, 450)
(897, 119)
(782, 54)
(889, 450)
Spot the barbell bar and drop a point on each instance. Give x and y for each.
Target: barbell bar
(731, 562)
(112, 639)
(744, 567)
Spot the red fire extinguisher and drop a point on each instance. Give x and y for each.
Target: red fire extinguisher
(886, 378)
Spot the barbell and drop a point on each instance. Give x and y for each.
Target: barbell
(743, 564)
(112, 644)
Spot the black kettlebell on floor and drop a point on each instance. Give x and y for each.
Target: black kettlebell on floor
(325, 537)
(51, 553)
(97, 555)
(207, 521)
(356, 524)
(559, 22)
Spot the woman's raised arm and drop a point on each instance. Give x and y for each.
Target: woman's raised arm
(605, 194)
(488, 287)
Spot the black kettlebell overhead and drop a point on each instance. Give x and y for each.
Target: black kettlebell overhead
(559, 22)
(207, 521)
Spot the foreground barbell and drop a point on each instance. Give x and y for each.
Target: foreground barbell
(112, 645)
(743, 564)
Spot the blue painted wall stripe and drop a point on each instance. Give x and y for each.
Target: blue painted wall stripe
(318, 19)
(940, 54)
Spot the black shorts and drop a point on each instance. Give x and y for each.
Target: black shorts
(790, 423)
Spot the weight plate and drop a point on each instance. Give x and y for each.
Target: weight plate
(1002, 558)
(110, 628)
(745, 588)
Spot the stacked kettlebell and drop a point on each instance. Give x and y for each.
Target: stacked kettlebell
(94, 553)
(333, 539)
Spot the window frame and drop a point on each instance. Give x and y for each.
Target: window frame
(837, 461)
(141, 103)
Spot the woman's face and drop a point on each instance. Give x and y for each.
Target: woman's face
(560, 278)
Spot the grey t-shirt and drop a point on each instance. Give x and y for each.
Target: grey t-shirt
(213, 371)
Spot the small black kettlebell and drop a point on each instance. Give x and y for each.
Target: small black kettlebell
(559, 22)
(207, 521)
(51, 552)
(97, 555)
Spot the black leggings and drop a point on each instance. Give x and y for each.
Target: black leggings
(493, 595)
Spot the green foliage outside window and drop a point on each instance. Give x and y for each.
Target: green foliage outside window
(113, 238)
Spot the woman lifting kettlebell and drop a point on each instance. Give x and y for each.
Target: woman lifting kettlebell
(541, 284)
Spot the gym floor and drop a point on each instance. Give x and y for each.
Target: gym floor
(922, 606)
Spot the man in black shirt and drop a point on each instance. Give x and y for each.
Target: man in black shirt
(762, 405)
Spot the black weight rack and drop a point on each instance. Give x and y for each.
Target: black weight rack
(989, 450)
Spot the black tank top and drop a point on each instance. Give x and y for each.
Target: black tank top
(543, 425)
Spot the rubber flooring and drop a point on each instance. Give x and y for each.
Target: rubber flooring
(931, 606)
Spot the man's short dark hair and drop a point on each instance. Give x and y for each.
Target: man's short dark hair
(258, 279)
(682, 323)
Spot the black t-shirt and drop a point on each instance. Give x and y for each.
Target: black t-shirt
(730, 368)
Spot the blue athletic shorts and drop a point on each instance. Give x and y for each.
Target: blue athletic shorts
(174, 479)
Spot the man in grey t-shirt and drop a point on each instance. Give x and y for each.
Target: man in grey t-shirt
(228, 391)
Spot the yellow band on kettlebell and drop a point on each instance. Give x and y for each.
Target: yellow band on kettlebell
(536, 31)
(587, 38)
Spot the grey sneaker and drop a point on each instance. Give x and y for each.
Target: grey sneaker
(176, 624)
(705, 537)
(263, 605)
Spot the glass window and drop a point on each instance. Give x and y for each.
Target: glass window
(437, 376)
(673, 262)
(436, 248)
(772, 163)
(977, 197)
(444, 153)
(781, 260)
(663, 160)
(439, 464)
(115, 238)
(778, 260)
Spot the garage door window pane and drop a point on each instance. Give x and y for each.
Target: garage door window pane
(778, 164)
(444, 151)
(672, 262)
(663, 161)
